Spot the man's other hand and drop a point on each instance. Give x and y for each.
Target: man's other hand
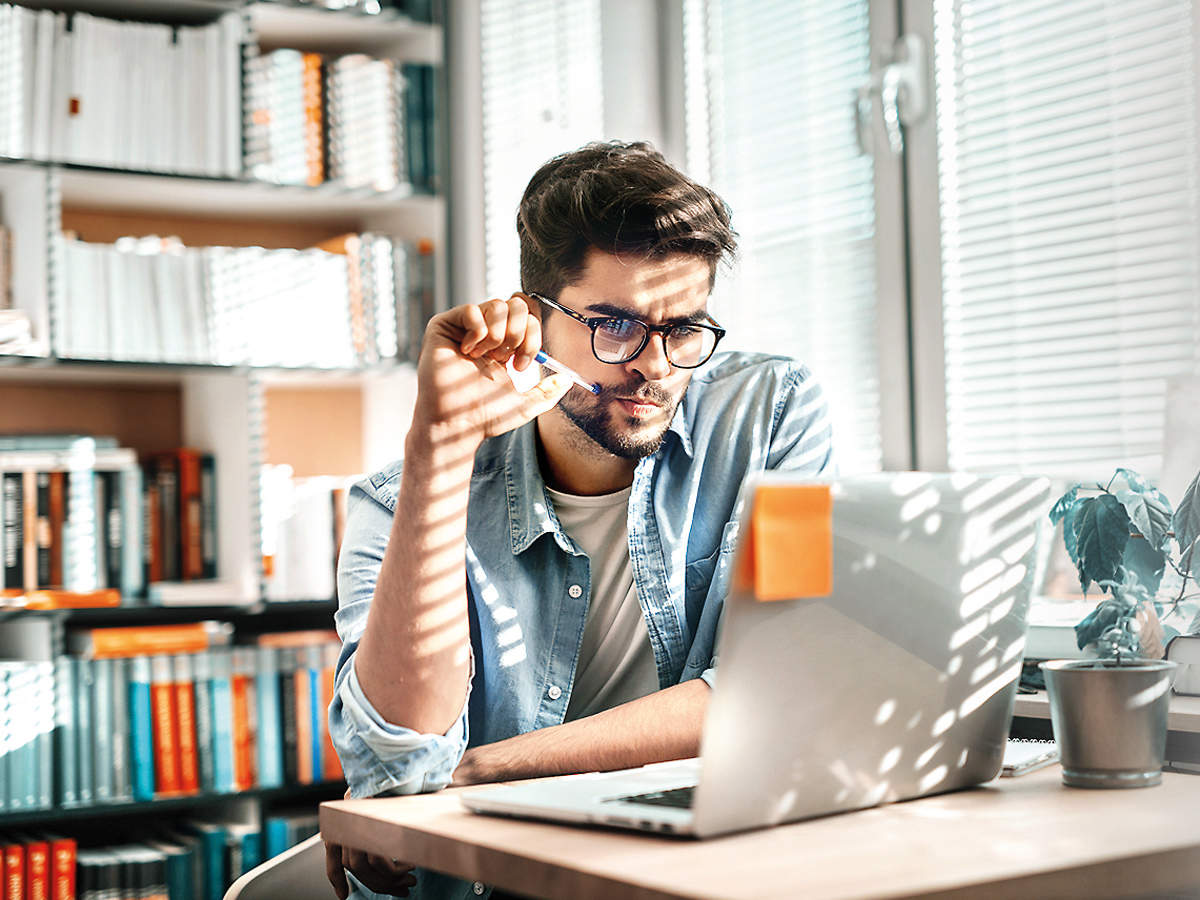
(383, 876)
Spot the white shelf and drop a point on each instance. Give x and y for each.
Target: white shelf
(234, 199)
(346, 31)
(71, 371)
(174, 11)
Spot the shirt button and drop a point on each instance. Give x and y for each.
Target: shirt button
(575, 591)
(478, 888)
(555, 692)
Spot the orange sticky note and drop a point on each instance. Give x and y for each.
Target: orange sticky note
(789, 551)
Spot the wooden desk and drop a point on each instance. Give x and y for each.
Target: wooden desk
(1021, 837)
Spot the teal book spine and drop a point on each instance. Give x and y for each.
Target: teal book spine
(315, 711)
(270, 738)
(83, 728)
(222, 706)
(141, 735)
(5, 740)
(275, 836)
(102, 732)
(65, 739)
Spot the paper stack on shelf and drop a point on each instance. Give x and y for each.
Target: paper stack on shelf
(283, 122)
(84, 89)
(353, 301)
(366, 127)
(302, 529)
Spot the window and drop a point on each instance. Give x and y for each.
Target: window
(1066, 148)
(542, 95)
(768, 121)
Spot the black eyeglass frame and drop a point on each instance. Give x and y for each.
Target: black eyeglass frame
(594, 322)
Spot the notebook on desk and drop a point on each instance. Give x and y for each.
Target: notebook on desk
(870, 652)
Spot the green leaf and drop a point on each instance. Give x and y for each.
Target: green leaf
(1063, 505)
(1186, 525)
(1068, 527)
(1101, 532)
(1150, 513)
(1135, 481)
(1145, 564)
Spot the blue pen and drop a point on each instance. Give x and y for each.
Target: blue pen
(551, 363)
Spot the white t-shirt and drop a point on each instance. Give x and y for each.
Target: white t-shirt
(616, 662)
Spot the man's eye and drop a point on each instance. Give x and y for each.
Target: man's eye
(686, 332)
(618, 329)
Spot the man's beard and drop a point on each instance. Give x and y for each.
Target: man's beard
(593, 417)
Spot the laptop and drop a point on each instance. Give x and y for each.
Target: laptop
(870, 651)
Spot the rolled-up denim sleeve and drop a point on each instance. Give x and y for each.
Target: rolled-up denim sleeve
(377, 756)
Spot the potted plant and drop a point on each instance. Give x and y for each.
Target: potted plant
(1109, 712)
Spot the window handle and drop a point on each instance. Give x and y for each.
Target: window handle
(902, 86)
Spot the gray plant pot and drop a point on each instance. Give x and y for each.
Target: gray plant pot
(1110, 721)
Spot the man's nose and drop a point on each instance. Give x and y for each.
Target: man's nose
(652, 363)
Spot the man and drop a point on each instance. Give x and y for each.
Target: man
(538, 589)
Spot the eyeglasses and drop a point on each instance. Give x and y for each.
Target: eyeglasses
(616, 339)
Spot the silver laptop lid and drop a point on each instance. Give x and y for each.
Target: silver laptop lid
(894, 679)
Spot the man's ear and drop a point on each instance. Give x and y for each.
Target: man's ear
(535, 308)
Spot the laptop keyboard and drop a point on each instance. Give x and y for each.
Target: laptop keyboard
(679, 798)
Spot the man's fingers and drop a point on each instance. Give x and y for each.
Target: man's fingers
(335, 872)
(530, 345)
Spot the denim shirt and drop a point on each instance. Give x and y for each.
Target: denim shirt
(528, 584)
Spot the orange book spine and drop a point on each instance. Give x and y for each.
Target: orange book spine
(58, 512)
(67, 599)
(242, 746)
(304, 735)
(330, 764)
(190, 516)
(37, 870)
(148, 640)
(14, 872)
(314, 120)
(185, 711)
(62, 868)
(166, 736)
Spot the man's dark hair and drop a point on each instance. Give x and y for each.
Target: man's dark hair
(618, 198)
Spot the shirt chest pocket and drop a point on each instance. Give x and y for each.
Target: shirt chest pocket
(700, 575)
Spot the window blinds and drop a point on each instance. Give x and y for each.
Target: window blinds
(1067, 157)
(768, 93)
(542, 96)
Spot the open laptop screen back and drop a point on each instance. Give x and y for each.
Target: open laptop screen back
(900, 681)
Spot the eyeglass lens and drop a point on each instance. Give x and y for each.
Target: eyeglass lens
(619, 340)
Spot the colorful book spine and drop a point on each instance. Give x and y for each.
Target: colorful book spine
(141, 728)
(222, 696)
(185, 708)
(62, 867)
(14, 869)
(270, 744)
(243, 717)
(37, 869)
(208, 507)
(331, 765)
(166, 737)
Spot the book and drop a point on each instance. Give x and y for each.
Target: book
(102, 730)
(185, 708)
(13, 854)
(221, 660)
(205, 735)
(62, 867)
(138, 640)
(122, 762)
(167, 780)
(243, 673)
(141, 728)
(270, 743)
(65, 734)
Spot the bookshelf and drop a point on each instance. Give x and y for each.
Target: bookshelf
(247, 413)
